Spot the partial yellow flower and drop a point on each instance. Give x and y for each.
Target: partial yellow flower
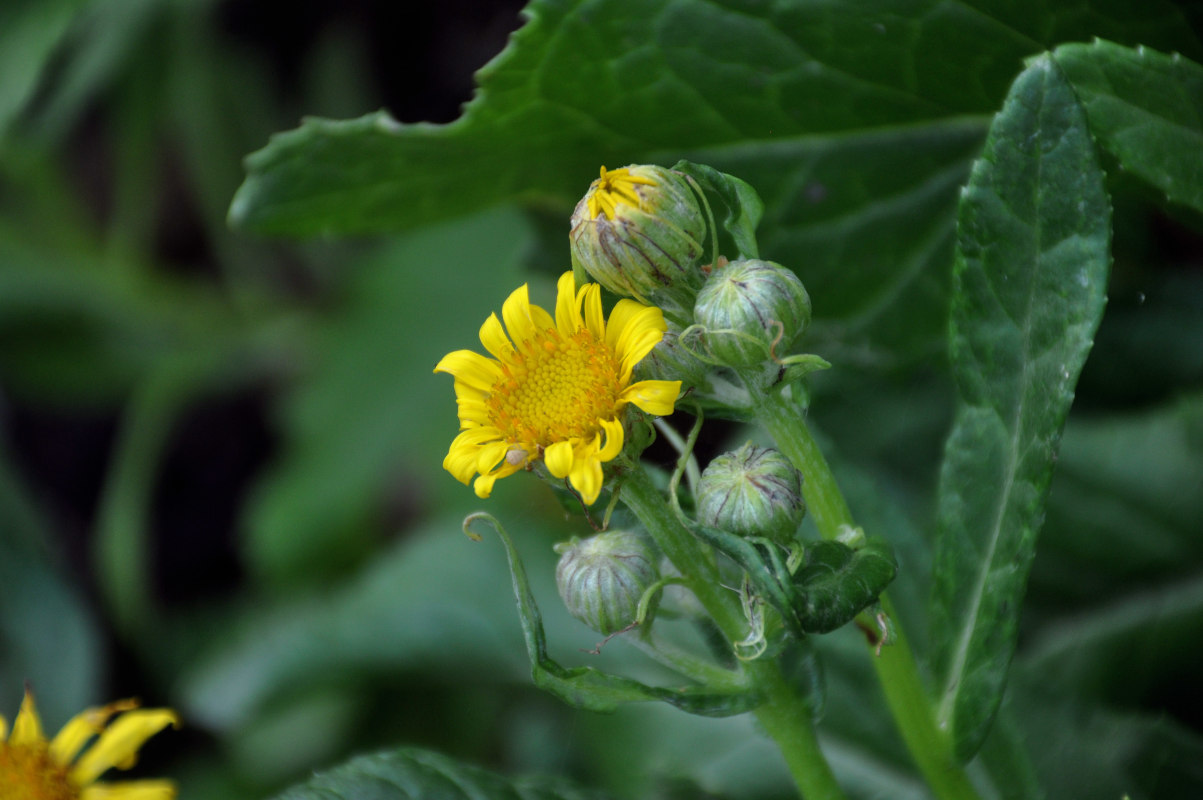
(556, 388)
(66, 768)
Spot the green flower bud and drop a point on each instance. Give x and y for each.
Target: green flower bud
(670, 361)
(753, 491)
(602, 579)
(751, 309)
(638, 231)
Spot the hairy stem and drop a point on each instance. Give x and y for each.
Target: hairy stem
(896, 666)
(785, 714)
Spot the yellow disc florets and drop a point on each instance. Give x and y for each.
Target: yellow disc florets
(556, 389)
(27, 772)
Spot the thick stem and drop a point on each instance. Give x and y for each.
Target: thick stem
(896, 667)
(784, 714)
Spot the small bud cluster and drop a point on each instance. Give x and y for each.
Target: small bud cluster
(640, 232)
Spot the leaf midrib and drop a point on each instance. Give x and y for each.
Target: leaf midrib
(953, 682)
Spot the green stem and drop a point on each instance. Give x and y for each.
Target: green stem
(784, 714)
(897, 669)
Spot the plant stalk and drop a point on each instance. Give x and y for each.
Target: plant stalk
(896, 667)
(784, 714)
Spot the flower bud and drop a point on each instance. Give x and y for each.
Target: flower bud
(671, 361)
(751, 309)
(602, 579)
(753, 491)
(639, 232)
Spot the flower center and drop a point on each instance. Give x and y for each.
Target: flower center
(555, 388)
(614, 188)
(28, 773)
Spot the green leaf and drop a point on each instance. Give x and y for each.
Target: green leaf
(589, 688)
(856, 122)
(836, 582)
(410, 774)
(1129, 648)
(431, 602)
(1146, 108)
(29, 33)
(1124, 511)
(370, 380)
(765, 570)
(48, 636)
(1088, 752)
(1029, 289)
(744, 206)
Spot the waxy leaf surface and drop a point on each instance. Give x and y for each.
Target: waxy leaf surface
(1146, 108)
(410, 774)
(1028, 293)
(856, 122)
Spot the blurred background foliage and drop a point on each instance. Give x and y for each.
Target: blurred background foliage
(219, 453)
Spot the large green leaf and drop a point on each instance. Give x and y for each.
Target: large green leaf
(1146, 108)
(407, 304)
(1124, 511)
(1089, 752)
(48, 636)
(856, 122)
(29, 32)
(1029, 289)
(411, 774)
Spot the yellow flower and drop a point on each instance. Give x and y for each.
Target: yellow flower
(555, 389)
(32, 768)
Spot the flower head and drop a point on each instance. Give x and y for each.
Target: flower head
(638, 231)
(555, 390)
(65, 768)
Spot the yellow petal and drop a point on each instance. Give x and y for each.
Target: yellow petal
(516, 313)
(643, 330)
(83, 726)
(462, 456)
(614, 438)
(523, 320)
(654, 397)
(493, 337)
(624, 310)
(470, 368)
(27, 727)
(559, 458)
(472, 413)
(490, 455)
(595, 319)
(568, 307)
(484, 486)
(586, 478)
(118, 745)
(130, 790)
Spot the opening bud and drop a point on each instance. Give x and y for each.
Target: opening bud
(751, 310)
(752, 491)
(639, 232)
(602, 579)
